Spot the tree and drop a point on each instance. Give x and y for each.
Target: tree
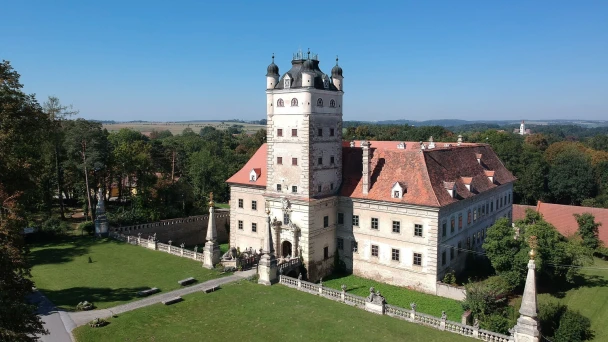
(22, 130)
(588, 230)
(505, 252)
(571, 178)
(58, 113)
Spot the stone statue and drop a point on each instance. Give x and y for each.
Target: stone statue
(300, 276)
(230, 254)
(154, 237)
(476, 323)
(182, 245)
(443, 315)
(413, 306)
(372, 293)
(375, 297)
(195, 249)
(343, 287)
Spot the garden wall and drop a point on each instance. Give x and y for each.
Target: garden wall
(188, 230)
(449, 291)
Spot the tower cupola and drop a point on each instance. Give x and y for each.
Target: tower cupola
(336, 76)
(272, 75)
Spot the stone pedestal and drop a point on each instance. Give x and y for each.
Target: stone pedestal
(211, 252)
(375, 308)
(267, 270)
(152, 244)
(526, 330)
(101, 227)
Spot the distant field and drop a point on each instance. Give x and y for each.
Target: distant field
(178, 128)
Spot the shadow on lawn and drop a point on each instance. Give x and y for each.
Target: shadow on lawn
(580, 281)
(337, 276)
(62, 249)
(67, 299)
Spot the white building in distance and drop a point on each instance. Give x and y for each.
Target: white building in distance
(397, 212)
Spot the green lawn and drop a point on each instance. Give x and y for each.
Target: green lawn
(399, 296)
(589, 297)
(118, 270)
(246, 311)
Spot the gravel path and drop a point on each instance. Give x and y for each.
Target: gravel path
(82, 317)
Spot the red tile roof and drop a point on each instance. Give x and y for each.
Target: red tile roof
(425, 172)
(562, 217)
(519, 211)
(257, 163)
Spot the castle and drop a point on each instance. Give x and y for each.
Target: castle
(395, 211)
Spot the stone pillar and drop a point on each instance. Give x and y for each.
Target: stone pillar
(211, 250)
(527, 328)
(296, 242)
(101, 222)
(277, 239)
(267, 267)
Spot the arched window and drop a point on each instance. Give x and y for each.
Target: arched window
(280, 103)
(319, 102)
(332, 103)
(294, 102)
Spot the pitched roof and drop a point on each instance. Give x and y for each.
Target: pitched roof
(424, 172)
(257, 163)
(562, 217)
(519, 211)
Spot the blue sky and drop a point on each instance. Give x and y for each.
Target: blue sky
(197, 60)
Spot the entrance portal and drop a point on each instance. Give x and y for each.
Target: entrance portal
(286, 249)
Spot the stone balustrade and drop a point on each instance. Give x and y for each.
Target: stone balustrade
(158, 246)
(410, 315)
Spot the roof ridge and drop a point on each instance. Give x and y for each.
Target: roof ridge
(427, 178)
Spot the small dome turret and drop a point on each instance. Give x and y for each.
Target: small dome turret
(273, 69)
(336, 70)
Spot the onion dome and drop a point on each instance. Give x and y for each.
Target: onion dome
(273, 69)
(336, 70)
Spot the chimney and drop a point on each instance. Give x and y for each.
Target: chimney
(431, 143)
(366, 163)
(478, 156)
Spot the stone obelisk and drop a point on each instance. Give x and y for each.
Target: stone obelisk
(211, 250)
(527, 328)
(267, 267)
(101, 221)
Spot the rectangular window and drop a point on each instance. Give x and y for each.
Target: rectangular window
(320, 132)
(294, 132)
(418, 230)
(509, 198)
(340, 218)
(374, 250)
(394, 254)
(452, 225)
(497, 205)
(279, 132)
(254, 205)
(374, 223)
(240, 225)
(279, 160)
(285, 218)
(294, 189)
(469, 217)
(340, 244)
(332, 160)
(325, 221)
(254, 227)
(443, 257)
(459, 247)
(459, 221)
(240, 203)
(332, 132)
(452, 253)
(396, 227)
(475, 215)
(326, 253)
(488, 208)
(492, 206)
(331, 186)
(320, 161)
(354, 245)
(444, 229)
(418, 259)
(294, 161)
(279, 187)
(356, 220)
(319, 188)
(505, 202)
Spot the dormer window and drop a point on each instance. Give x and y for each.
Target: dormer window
(287, 82)
(398, 190)
(255, 174)
(294, 102)
(319, 102)
(280, 103)
(332, 103)
(451, 188)
(325, 82)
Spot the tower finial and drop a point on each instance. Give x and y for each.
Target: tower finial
(336, 59)
(273, 57)
(308, 53)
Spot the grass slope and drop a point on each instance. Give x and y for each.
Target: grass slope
(399, 296)
(249, 312)
(62, 272)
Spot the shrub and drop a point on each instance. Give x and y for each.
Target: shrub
(87, 227)
(98, 322)
(496, 322)
(549, 315)
(54, 226)
(85, 306)
(450, 278)
(573, 327)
